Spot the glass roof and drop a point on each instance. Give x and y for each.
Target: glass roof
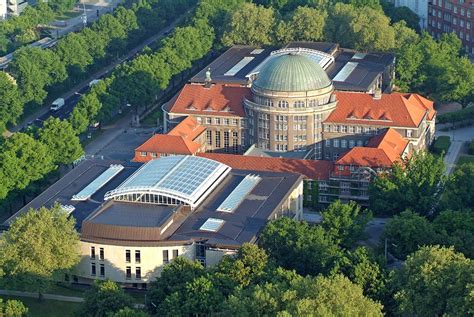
(186, 178)
(98, 183)
(212, 225)
(239, 193)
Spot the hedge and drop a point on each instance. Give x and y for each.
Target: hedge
(441, 145)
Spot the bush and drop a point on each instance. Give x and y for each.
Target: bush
(441, 145)
(456, 116)
(471, 148)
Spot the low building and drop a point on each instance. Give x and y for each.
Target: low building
(133, 219)
(187, 138)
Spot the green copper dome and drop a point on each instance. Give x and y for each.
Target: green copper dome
(292, 73)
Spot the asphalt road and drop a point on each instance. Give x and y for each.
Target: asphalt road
(72, 97)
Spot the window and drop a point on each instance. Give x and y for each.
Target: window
(299, 104)
(128, 272)
(101, 254)
(343, 143)
(235, 122)
(93, 270)
(93, 253)
(336, 143)
(153, 154)
(208, 120)
(226, 140)
(217, 121)
(127, 256)
(351, 143)
(138, 273)
(209, 137)
(166, 258)
(326, 128)
(175, 254)
(328, 143)
(343, 129)
(341, 167)
(143, 153)
(198, 119)
(282, 104)
(358, 129)
(226, 122)
(218, 139)
(409, 133)
(102, 270)
(366, 130)
(360, 143)
(137, 256)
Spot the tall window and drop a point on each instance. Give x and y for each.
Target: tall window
(166, 258)
(138, 273)
(128, 272)
(226, 140)
(101, 254)
(102, 270)
(137, 256)
(93, 270)
(218, 139)
(93, 253)
(175, 254)
(127, 256)
(282, 104)
(209, 137)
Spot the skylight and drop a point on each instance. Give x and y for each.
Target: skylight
(98, 183)
(346, 71)
(212, 225)
(239, 193)
(237, 67)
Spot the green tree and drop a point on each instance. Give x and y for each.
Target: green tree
(458, 193)
(436, 281)
(456, 228)
(307, 24)
(11, 106)
(128, 312)
(345, 223)
(105, 298)
(74, 51)
(250, 25)
(61, 5)
(39, 246)
(173, 279)
(338, 25)
(406, 232)
(22, 161)
(411, 184)
(398, 14)
(12, 308)
(296, 245)
(61, 140)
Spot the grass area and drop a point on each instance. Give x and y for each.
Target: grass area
(465, 159)
(68, 15)
(46, 308)
(153, 117)
(66, 290)
(441, 144)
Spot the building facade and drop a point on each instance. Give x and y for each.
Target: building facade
(420, 7)
(456, 16)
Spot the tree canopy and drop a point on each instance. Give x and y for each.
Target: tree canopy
(40, 244)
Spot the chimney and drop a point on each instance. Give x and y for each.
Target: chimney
(208, 80)
(377, 94)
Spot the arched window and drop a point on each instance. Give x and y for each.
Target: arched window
(282, 104)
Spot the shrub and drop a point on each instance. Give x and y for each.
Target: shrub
(471, 148)
(441, 144)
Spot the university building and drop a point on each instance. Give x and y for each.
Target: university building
(135, 218)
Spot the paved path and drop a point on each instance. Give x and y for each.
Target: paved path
(458, 137)
(62, 298)
(451, 157)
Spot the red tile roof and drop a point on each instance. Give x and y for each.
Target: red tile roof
(188, 129)
(404, 110)
(381, 151)
(169, 144)
(219, 99)
(309, 168)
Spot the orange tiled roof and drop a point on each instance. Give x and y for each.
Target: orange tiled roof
(219, 99)
(309, 168)
(188, 129)
(381, 151)
(170, 144)
(404, 110)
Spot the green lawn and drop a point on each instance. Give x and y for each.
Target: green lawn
(67, 15)
(46, 308)
(463, 159)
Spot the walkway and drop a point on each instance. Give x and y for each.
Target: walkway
(458, 138)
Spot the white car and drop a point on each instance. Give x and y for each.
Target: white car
(57, 104)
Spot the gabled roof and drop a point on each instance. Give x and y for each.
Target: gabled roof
(403, 110)
(188, 129)
(219, 99)
(170, 144)
(311, 169)
(382, 151)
